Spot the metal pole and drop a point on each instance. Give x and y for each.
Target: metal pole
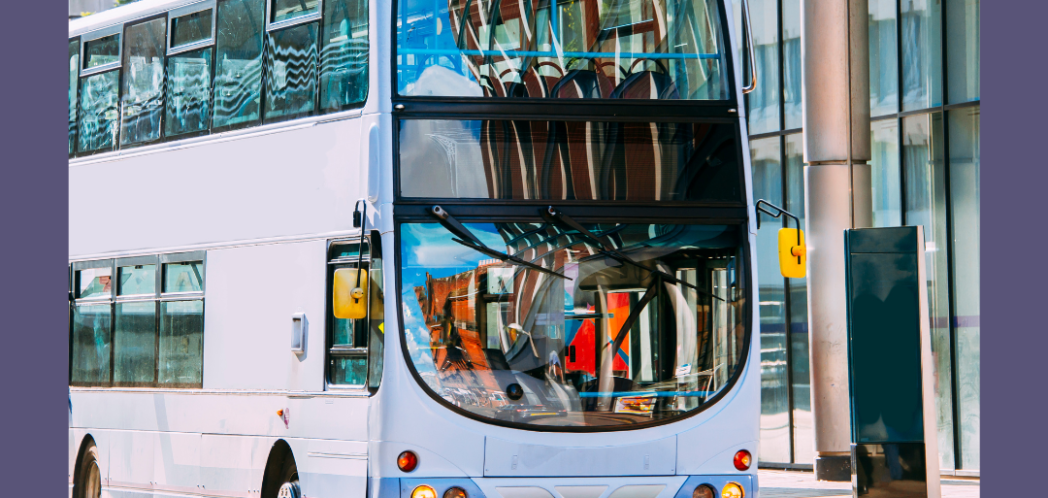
(835, 88)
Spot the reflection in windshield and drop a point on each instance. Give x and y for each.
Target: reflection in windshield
(618, 49)
(614, 343)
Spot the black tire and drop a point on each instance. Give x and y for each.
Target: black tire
(87, 478)
(280, 470)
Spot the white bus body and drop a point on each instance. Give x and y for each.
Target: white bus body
(264, 203)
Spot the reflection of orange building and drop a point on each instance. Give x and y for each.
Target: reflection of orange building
(450, 311)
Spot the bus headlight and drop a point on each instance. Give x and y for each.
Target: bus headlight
(703, 491)
(732, 490)
(426, 491)
(455, 492)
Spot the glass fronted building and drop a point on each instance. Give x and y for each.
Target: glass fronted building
(924, 102)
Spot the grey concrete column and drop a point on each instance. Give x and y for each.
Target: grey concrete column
(835, 90)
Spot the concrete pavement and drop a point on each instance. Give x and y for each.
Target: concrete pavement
(802, 484)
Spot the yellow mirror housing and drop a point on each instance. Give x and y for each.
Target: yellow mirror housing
(793, 254)
(348, 300)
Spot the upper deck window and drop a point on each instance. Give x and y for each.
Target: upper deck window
(289, 9)
(102, 51)
(74, 87)
(238, 71)
(191, 28)
(189, 73)
(142, 98)
(592, 49)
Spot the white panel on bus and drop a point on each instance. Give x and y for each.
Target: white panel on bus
(252, 293)
(131, 457)
(288, 183)
(176, 460)
(506, 458)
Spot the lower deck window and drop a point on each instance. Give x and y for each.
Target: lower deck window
(143, 328)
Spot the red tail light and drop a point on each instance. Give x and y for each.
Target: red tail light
(742, 460)
(407, 461)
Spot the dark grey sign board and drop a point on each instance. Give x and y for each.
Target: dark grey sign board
(894, 451)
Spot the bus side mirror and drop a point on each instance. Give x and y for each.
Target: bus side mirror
(793, 254)
(349, 299)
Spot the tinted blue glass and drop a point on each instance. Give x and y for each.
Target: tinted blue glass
(191, 28)
(291, 72)
(350, 371)
(238, 62)
(142, 99)
(181, 359)
(140, 279)
(184, 277)
(91, 343)
(884, 58)
(763, 101)
(921, 54)
(925, 204)
(344, 54)
(601, 337)
(188, 92)
(635, 49)
(803, 423)
(884, 173)
(496, 159)
(962, 49)
(791, 63)
(74, 81)
(964, 155)
(101, 51)
(134, 343)
(290, 9)
(775, 418)
(99, 112)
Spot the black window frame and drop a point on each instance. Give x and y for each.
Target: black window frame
(560, 116)
(372, 379)
(76, 112)
(591, 108)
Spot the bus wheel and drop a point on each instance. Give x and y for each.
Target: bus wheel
(281, 476)
(87, 479)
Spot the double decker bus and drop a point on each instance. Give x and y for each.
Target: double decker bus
(411, 249)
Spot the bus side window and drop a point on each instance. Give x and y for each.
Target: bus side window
(355, 345)
(142, 95)
(238, 63)
(344, 55)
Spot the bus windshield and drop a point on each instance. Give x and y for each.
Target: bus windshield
(560, 324)
(603, 49)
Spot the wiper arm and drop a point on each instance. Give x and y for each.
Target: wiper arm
(556, 217)
(466, 238)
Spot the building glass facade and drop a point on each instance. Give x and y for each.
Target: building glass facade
(924, 103)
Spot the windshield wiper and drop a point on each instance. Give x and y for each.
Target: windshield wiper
(556, 217)
(471, 241)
